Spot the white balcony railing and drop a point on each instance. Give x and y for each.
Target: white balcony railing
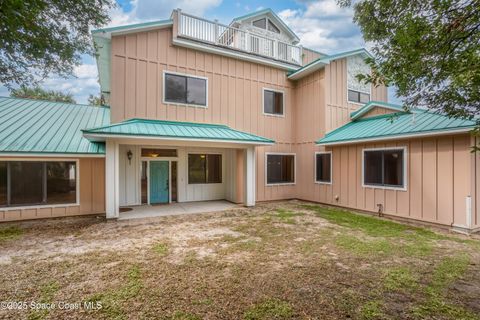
(222, 35)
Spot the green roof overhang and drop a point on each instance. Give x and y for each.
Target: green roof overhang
(400, 125)
(174, 131)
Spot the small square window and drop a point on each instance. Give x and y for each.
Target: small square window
(185, 89)
(358, 97)
(280, 169)
(272, 102)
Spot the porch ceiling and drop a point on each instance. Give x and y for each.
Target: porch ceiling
(174, 131)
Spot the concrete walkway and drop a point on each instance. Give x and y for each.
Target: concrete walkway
(150, 211)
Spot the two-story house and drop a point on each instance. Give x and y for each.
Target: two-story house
(199, 110)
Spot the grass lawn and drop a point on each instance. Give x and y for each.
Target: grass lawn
(282, 260)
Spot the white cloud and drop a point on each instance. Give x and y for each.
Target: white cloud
(324, 26)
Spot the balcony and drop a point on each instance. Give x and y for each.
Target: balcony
(214, 33)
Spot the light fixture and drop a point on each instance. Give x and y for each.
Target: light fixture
(129, 156)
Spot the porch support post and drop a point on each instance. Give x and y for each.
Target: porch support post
(112, 192)
(250, 177)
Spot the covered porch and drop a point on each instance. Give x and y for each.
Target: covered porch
(154, 162)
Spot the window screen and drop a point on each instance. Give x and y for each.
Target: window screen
(61, 182)
(3, 183)
(273, 102)
(184, 89)
(323, 167)
(358, 97)
(384, 168)
(280, 169)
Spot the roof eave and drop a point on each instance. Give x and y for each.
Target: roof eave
(132, 28)
(398, 136)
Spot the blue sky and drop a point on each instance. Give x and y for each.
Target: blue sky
(321, 25)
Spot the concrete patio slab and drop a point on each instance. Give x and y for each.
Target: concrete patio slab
(150, 211)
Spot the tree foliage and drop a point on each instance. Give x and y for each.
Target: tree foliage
(430, 50)
(95, 100)
(39, 37)
(42, 94)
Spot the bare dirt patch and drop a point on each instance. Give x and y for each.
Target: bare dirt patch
(279, 260)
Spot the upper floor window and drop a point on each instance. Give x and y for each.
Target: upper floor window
(358, 97)
(273, 102)
(384, 167)
(357, 91)
(184, 89)
(265, 23)
(323, 167)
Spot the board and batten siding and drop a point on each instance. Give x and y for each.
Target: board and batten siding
(92, 194)
(439, 178)
(234, 93)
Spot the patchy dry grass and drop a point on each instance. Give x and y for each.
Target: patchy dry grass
(282, 260)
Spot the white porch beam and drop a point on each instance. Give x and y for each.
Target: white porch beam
(112, 183)
(250, 177)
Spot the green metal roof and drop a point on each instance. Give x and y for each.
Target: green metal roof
(396, 125)
(175, 131)
(372, 104)
(37, 126)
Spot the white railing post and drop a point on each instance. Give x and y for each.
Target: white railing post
(275, 49)
(179, 21)
(216, 31)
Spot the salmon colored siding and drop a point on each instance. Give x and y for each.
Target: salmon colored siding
(438, 180)
(377, 111)
(309, 56)
(92, 195)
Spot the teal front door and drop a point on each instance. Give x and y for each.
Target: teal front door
(159, 182)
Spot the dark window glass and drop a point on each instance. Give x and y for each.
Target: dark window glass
(214, 168)
(384, 168)
(183, 89)
(273, 102)
(155, 153)
(356, 96)
(204, 168)
(26, 183)
(393, 167)
(280, 168)
(324, 164)
(260, 23)
(272, 27)
(364, 97)
(3, 183)
(197, 91)
(61, 182)
(175, 88)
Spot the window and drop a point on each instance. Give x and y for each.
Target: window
(272, 27)
(266, 24)
(272, 102)
(155, 153)
(185, 90)
(260, 23)
(384, 168)
(358, 97)
(24, 183)
(204, 168)
(323, 167)
(280, 169)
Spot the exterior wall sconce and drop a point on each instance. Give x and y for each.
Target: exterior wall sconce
(129, 156)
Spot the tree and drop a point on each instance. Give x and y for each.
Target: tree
(430, 50)
(39, 37)
(42, 94)
(95, 100)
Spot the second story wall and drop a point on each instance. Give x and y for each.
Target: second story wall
(235, 87)
(338, 109)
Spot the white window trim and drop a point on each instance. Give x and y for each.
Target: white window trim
(331, 167)
(294, 169)
(359, 103)
(405, 167)
(283, 102)
(185, 104)
(266, 26)
(206, 183)
(57, 205)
